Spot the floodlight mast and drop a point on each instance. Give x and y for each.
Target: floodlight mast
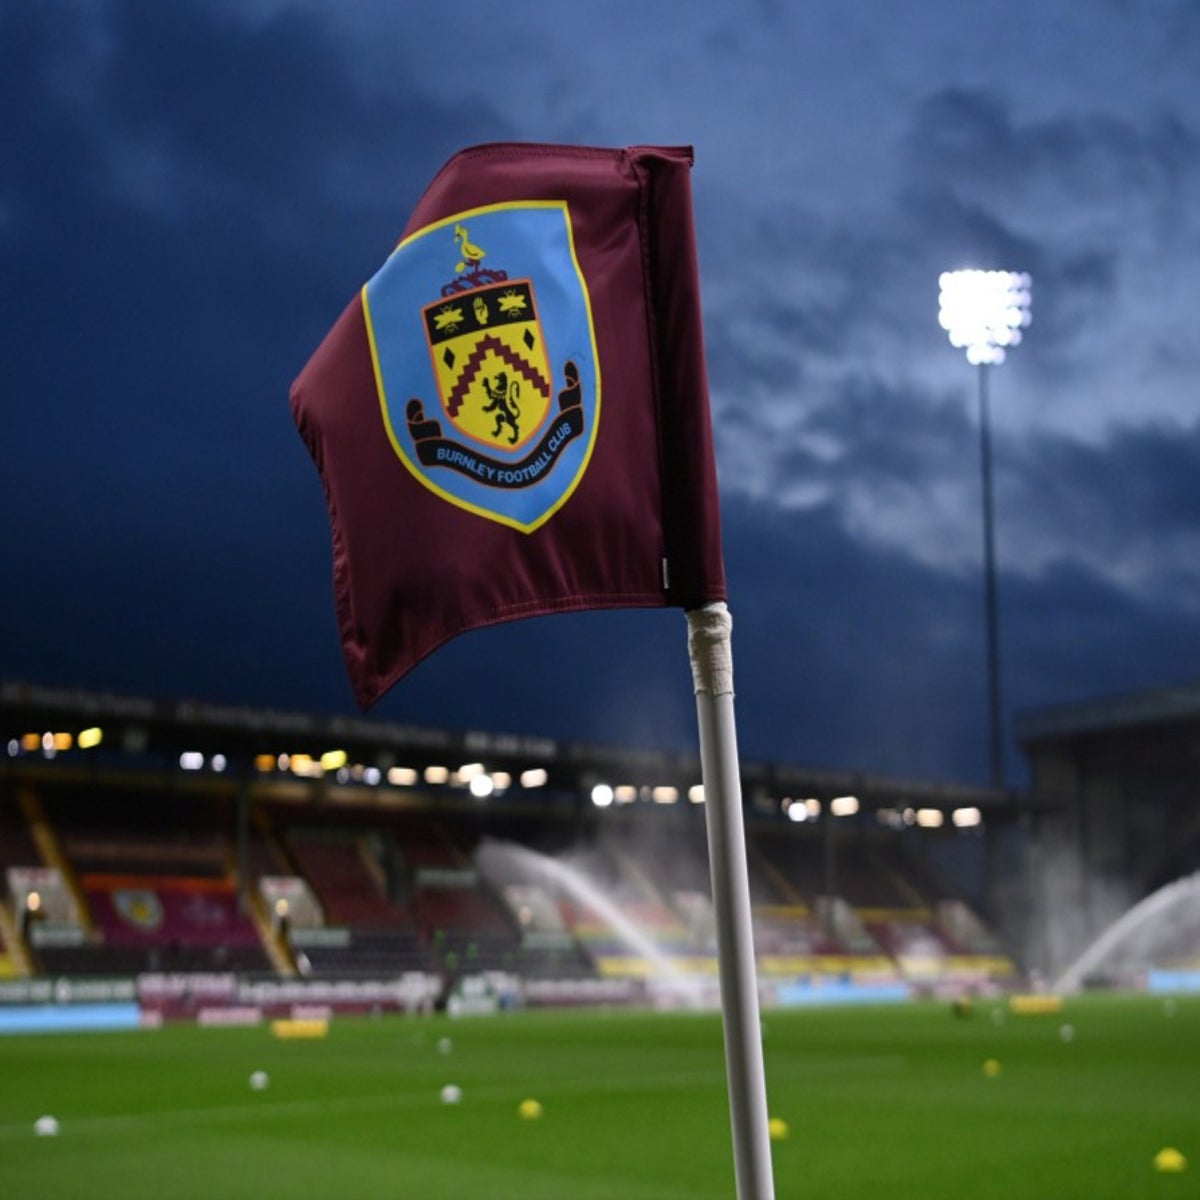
(984, 312)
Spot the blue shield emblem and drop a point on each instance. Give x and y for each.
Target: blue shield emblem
(485, 360)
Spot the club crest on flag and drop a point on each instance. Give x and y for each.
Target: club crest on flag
(485, 360)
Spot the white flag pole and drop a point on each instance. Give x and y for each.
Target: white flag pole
(709, 647)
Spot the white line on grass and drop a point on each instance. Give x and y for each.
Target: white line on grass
(270, 1109)
(257, 1110)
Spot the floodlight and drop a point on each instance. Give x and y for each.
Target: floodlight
(983, 312)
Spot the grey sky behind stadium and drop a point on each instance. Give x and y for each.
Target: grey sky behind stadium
(191, 192)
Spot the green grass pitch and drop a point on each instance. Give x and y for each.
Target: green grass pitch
(886, 1103)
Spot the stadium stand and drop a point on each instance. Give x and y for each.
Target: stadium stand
(267, 872)
(336, 865)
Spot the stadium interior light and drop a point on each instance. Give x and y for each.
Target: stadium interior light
(191, 760)
(983, 312)
(602, 795)
(626, 793)
(796, 810)
(437, 774)
(88, 738)
(696, 793)
(930, 818)
(966, 818)
(534, 777)
(304, 765)
(481, 786)
(402, 776)
(332, 759)
(665, 794)
(843, 806)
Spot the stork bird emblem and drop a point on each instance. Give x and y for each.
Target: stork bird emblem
(472, 255)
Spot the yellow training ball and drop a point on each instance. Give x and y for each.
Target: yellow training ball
(777, 1127)
(991, 1068)
(529, 1110)
(1169, 1159)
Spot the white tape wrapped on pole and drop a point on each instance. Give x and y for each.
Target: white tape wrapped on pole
(710, 651)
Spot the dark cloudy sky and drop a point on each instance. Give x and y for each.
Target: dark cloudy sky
(190, 192)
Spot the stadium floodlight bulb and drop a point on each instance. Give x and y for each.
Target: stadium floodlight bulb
(983, 312)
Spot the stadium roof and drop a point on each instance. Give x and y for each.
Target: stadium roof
(1134, 710)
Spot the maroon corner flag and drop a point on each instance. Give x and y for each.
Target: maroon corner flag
(511, 419)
